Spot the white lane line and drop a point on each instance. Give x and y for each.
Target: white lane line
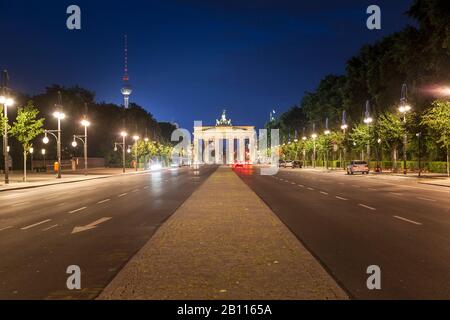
(367, 207)
(20, 204)
(292, 182)
(61, 204)
(323, 192)
(407, 220)
(9, 227)
(135, 190)
(53, 226)
(426, 199)
(301, 186)
(340, 198)
(35, 224)
(372, 189)
(103, 201)
(396, 193)
(123, 194)
(79, 209)
(309, 188)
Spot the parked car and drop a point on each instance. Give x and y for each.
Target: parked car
(356, 166)
(282, 164)
(289, 164)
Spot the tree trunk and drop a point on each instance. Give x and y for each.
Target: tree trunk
(24, 166)
(448, 168)
(395, 159)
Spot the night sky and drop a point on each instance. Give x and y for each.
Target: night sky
(190, 59)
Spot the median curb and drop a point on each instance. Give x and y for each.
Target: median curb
(223, 243)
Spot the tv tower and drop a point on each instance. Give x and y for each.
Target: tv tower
(126, 89)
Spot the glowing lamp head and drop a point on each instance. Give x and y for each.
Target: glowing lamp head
(2, 99)
(31, 150)
(123, 134)
(59, 115)
(146, 139)
(43, 151)
(368, 120)
(45, 140)
(304, 138)
(135, 138)
(74, 143)
(327, 132)
(314, 136)
(344, 127)
(129, 150)
(85, 123)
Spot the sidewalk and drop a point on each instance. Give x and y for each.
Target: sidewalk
(223, 243)
(44, 179)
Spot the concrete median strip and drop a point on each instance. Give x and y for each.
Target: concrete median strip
(223, 243)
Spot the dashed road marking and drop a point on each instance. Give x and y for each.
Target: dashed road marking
(367, 207)
(51, 227)
(36, 224)
(4, 228)
(309, 188)
(135, 190)
(301, 186)
(407, 220)
(426, 199)
(340, 198)
(396, 193)
(123, 194)
(324, 193)
(79, 209)
(103, 201)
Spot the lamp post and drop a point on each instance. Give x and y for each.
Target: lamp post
(314, 137)
(304, 138)
(85, 123)
(60, 116)
(368, 120)
(419, 135)
(404, 108)
(135, 138)
(326, 132)
(43, 152)
(344, 128)
(31, 158)
(122, 145)
(7, 102)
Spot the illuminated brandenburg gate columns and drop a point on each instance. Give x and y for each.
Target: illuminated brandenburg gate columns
(220, 135)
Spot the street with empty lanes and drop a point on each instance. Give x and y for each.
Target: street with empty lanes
(97, 225)
(352, 222)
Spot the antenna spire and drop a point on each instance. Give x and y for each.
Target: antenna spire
(125, 74)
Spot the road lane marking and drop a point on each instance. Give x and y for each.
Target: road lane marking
(323, 192)
(123, 194)
(426, 199)
(292, 182)
(372, 189)
(53, 226)
(309, 188)
(396, 193)
(79, 209)
(91, 225)
(9, 227)
(103, 201)
(407, 220)
(367, 207)
(36, 224)
(301, 186)
(20, 204)
(340, 198)
(135, 190)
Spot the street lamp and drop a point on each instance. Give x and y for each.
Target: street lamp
(83, 138)
(31, 157)
(419, 135)
(326, 132)
(6, 102)
(135, 138)
(368, 120)
(59, 116)
(43, 152)
(314, 137)
(404, 108)
(344, 128)
(123, 146)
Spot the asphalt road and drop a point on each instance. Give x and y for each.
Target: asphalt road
(352, 222)
(97, 225)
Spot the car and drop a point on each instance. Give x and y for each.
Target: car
(289, 164)
(282, 164)
(356, 166)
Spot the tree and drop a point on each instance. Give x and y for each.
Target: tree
(26, 128)
(390, 130)
(437, 118)
(360, 136)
